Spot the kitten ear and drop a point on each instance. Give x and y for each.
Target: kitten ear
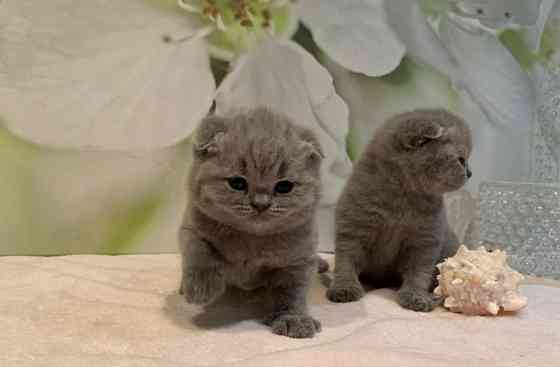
(418, 132)
(209, 136)
(310, 146)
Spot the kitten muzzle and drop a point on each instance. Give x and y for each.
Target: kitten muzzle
(261, 202)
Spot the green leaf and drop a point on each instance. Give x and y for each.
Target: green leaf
(17, 210)
(128, 225)
(434, 8)
(514, 41)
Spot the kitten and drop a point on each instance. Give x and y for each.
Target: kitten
(391, 226)
(250, 221)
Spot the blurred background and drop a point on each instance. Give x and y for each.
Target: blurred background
(96, 108)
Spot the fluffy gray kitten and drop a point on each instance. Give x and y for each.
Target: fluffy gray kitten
(391, 225)
(250, 221)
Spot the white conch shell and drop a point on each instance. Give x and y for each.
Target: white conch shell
(478, 282)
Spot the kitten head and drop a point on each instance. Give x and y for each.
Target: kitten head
(255, 171)
(431, 149)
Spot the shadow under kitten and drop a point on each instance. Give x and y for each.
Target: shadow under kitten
(234, 306)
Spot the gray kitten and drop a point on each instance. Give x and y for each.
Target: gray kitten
(250, 221)
(391, 225)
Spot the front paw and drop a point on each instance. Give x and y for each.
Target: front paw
(416, 300)
(293, 325)
(202, 286)
(343, 294)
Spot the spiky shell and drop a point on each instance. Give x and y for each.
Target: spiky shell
(479, 282)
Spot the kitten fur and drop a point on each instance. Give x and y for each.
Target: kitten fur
(391, 225)
(255, 237)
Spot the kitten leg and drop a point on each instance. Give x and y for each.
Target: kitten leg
(418, 271)
(450, 245)
(346, 286)
(203, 279)
(290, 316)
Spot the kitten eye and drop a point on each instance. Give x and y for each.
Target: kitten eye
(238, 183)
(283, 187)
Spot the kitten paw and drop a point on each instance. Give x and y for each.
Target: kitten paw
(293, 325)
(345, 294)
(202, 286)
(419, 301)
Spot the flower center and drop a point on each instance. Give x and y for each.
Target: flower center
(237, 24)
(250, 14)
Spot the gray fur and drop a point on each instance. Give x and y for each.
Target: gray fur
(226, 241)
(391, 226)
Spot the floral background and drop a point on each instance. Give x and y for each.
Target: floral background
(98, 99)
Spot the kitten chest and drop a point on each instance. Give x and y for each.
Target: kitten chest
(248, 262)
(387, 246)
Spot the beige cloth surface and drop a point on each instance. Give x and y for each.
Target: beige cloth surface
(103, 311)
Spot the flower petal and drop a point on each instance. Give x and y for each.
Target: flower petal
(285, 77)
(488, 72)
(422, 43)
(499, 153)
(354, 33)
(82, 75)
(499, 13)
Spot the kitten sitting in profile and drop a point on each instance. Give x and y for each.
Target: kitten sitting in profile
(250, 220)
(391, 225)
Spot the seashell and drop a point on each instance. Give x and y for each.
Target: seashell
(478, 282)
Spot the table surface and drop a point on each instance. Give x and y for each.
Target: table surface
(116, 311)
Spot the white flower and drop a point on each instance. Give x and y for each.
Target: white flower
(129, 75)
(134, 75)
(97, 74)
(473, 58)
(489, 87)
(496, 94)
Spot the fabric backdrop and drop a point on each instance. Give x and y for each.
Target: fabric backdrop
(96, 108)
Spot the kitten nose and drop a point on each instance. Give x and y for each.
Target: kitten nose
(261, 202)
(469, 173)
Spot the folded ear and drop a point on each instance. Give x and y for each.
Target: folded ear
(209, 136)
(311, 146)
(417, 130)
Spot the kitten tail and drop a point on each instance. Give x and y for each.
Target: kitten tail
(322, 264)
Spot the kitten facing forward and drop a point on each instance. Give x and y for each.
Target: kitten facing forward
(250, 221)
(391, 225)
